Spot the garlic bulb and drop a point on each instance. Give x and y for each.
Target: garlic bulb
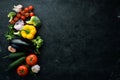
(35, 68)
(17, 8)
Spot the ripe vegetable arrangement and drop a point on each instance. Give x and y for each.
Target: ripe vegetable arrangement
(24, 43)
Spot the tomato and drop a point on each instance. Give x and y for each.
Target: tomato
(22, 70)
(12, 22)
(31, 59)
(23, 17)
(18, 15)
(26, 14)
(22, 12)
(31, 14)
(16, 19)
(26, 9)
(30, 7)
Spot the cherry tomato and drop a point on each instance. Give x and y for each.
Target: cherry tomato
(18, 15)
(26, 14)
(31, 59)
(16, 19)
(23, 17)
(26, 9)
(31, 14)
(30, 7)
(22, 70)
(22, 12)
(12, 22)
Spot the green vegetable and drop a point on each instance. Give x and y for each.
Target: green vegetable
(11, 15)
(34, 20)
(10, 34)
(16, 63)
(15, 55)
(37, 43)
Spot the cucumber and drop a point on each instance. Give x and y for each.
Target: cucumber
(16, 63)
(15, 55)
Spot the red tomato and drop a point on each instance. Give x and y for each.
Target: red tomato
(26, 9)
(22, 70)
(18, 15)
(23, 17)
(31, 59)
(16, 19)
(12, 22)
(31, 14)
(26, 14)
(30, 7)
(22, 12)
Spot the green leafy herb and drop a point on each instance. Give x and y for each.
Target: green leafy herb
(10, 34)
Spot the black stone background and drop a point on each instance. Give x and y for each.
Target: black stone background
(81, 39)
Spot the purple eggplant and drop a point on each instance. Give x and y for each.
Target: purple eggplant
(22, 45)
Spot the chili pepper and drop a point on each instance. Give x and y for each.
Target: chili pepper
(28, 32)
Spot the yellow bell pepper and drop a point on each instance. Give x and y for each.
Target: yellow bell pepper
(28, 31)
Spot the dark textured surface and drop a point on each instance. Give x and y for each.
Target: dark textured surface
(81, 39)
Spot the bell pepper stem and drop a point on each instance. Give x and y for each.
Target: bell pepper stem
(27, 31)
